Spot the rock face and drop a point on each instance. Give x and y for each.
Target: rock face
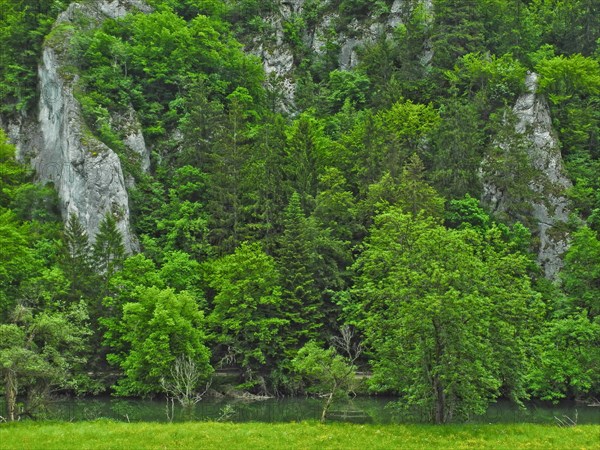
(86, 173)
(128, 126)
(277, 55)
(551, 213)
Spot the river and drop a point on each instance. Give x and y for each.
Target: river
(361, 410)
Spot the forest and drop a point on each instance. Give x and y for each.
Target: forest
(296, 243)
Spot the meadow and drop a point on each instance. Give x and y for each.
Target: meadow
(106, 434)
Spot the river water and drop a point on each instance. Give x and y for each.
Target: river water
(360, 410)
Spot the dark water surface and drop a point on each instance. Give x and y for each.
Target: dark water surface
(360, 410)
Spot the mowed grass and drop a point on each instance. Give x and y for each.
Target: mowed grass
(105, 434)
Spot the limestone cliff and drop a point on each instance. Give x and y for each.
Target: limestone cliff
(319, 32)
(86, 173)
(549, 211)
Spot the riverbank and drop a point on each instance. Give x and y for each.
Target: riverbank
(105, 434)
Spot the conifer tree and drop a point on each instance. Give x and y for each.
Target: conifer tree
(458, 150)
(77, 261)
(266, 183)
(303, 147)
(335, 206)
(227, 196)
(415, 194)
(297, 257)
(108, 250)
(108, 255)
(335, 219)
(457, 30)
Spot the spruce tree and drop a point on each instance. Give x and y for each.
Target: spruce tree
(297, 257)
(458, 150)
(266, 184)
(416, 196)
(77, 261)
(228, 158)
(108, 250)
(108, 254)
(457, 29)
(303, 148)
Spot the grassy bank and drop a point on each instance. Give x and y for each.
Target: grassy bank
(113, 435)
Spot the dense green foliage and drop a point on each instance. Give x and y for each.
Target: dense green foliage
(157, 326)
(327, 373)
(247, 311)
(23, 26)
(263, 232)
(448, 314)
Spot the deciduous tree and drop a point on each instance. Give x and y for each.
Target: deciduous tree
(247, 317)
(448, 324)
(39, 351)
(158, 325)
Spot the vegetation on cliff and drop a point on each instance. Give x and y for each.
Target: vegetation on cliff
(265, 231)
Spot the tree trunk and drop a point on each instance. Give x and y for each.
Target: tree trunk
(438, 388)
(326, 406)
(10, 379)
(440, 401)
(329, 401)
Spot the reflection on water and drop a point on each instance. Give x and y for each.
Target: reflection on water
(361, 410)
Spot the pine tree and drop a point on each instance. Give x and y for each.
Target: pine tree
(201, 126)
(297, 257)
(108, 253)
(458, 144)
(266, 184)
(108, 250)
(458, 29)
(227, 194)
(335, 206)
(77, 261)
(335, 219)
(303, 148)
(416, 195)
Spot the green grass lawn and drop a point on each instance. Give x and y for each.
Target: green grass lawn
(104, 434)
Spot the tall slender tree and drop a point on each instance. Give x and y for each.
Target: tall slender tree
(77, 261)
(108, 249)
(297, 257)
(415, 195)
(304, 145)
(227, 162)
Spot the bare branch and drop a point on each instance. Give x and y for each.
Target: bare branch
(183, 381)
(345, 344)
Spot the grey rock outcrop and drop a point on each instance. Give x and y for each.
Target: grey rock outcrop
(128, 126)
(86, 173)
(118, 8)
(278, 56)
(549, 211)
